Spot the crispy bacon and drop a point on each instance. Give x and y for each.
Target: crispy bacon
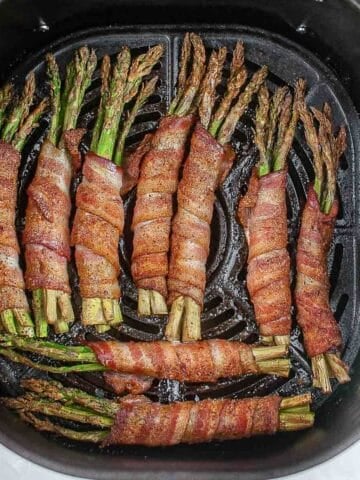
(46, 234)
(98, 225)
(153, 210)
(263, 210)
(72, 139)
(208, 162)
(12, 285)
(205, 361)
(132, 164)
(127, 383)
(154, 424)
(320, 329)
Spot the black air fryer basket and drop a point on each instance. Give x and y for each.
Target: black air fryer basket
(315, 39)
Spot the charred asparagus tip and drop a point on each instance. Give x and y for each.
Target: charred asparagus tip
(46, 425)
(56, 391)
(35, 404)
(320, 372)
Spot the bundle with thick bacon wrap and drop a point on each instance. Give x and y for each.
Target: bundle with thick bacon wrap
(262, 212)
(16, 124)
(322, 335)
(158, 182)
(135, 420)
(201, 361)
(46, 235)
(209, 160)
(99, 219)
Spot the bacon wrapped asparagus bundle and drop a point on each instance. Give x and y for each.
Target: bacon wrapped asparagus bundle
(322, 335)
(99, 219)
(209, 160)
(135, 420)
(16, 124)
(262, 212)
(158, 182)
(202, 361)
(46, 235)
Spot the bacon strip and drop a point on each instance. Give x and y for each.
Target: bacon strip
(12, 285)
(153, 210)
(320, 329)
(98, 225)
(154, 424)
(190, 238)
(205, 361)
(263, 210)
(46, 234)
(127, 383)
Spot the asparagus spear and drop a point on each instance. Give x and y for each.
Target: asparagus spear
(54, 307)
(184, 317)
(294, 412)
(17, 128)
(6, 94)
(151, 301)
(327, 150)
(269, 360)
(275, 128)
(20, 110)
(118, 88)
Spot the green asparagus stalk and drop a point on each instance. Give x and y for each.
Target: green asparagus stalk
(326, 150)
(114, 105)
(20, 111)
(183, 72)
(193, 82)
(29, 124)
(104, 95)
(146, 91)
(140, 67)
(227, 129)
(76, 368)
(209, 84)
(53, 390)
(45, 425)
(238, 75)
(35, 404)
(61, 402)
(6, 94)
(55, 95)
(80, 73)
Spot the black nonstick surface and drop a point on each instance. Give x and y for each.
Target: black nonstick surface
(228, 313)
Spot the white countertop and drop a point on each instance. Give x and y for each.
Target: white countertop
(343, 467)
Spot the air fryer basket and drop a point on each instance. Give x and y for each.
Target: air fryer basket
(228, 313)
